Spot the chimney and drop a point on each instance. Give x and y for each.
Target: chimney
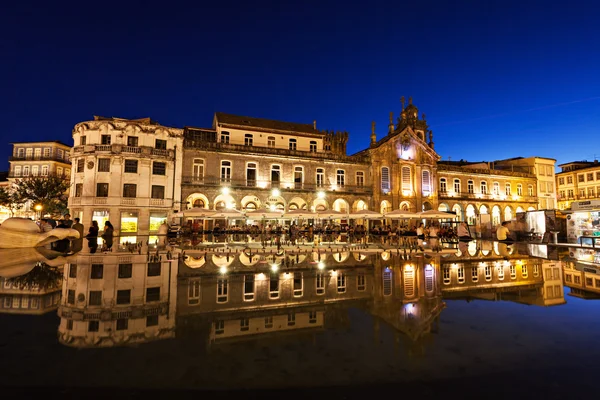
(315, 124)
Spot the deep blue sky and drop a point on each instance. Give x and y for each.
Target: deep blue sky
(496, 79)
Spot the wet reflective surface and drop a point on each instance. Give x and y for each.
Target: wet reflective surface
(476, 317)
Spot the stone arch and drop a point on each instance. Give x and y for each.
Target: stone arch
(459, 212)
(297, 203)
(320, 205)
(483, 209)
(385, 207)
(340, 205)
(250, 203)
(277, 202)
(520, 209)
(197, 200)
(508, 214)
(359, 205)
(496, 215)
(223, 201)
(443, 207)
(530, 208)
(427, 206)
(406, 206)
(471, 214)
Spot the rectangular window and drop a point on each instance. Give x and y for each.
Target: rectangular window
(426, 182)
(271, 141)
(446, 275)
(507, 190)
(154, 269)
(320, 283)
(293, 144)
(341, 283)
(561, 181)
(131, 166)
(158, 192)
(341, 178)
(530, 190)
(194, 292)
(225, 137)
(312, 317)
(251, 175)
(274, 286)
(443, 185)
(474, 274)
(160, 144)
(132, 141)
(313, 146)
(122, 324)
(244, 323)
(222, 290)
(577, 279)
(159, 168)
(104, 165)
(470, 187)
(248, 139)
(93, 326)
(501, 273)
(82, 140)
(105, 139)
(219, 327)
(248, 287)
(225, 171)
(488, 273)
(385, 179)
(268, 322)
(360, 179)
(198, 169)
(320, 177)
(124, 296)
(72, 270)
(361, 282)
(95, 298)
(102, 190)
(581, 178)
(298, 177)
(78, 189)
(125, 271)
(129, 190)
(97, 271)
(275, 174)
(569, 179)
(406, 178)
(496, 188)
(152, 320)
(298, 284)
(152, 294)
(70, 296)
(513, 272)
(483, 187)
(591, 192)
(80, 165)
(387, 282)
(461, 274)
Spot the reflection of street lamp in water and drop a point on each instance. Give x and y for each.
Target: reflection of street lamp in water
(38, 208)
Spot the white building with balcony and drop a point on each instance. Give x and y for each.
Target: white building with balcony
(126, 172)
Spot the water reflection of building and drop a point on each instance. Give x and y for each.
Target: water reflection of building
(583, 278)
(495, 271)
(18, 296)
(248, 296)
(117, 299)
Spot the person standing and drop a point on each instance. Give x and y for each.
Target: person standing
(92, 236)
(77, 244)
(67, 221)
(108, 234)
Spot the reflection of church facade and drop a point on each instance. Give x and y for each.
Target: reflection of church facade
(135, 172)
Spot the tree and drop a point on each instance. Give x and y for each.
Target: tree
(48, 191)
(42, 276)
(9, 200)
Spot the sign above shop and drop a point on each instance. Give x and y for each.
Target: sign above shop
(585, 205)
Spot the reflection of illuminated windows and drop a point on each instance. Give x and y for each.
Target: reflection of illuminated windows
(248, 287)
(568, 278)
(428, 278)
(320, 283)
(244, 324)
(524, 270)
(577, 279)
(312, 317)
(291, 319)
(474, 274)
(7, 301)
(194, 292)
(387, 282)
(35, 303)
(461, 274)
(589, 282)
(488, 273)
(122, 324)
(129, 222)
(222, 290)
(513, 272)
(298, 284)
(446, 275)
(125, 271)
(341, 283)
(152, 320)
(360, 282)
(219, 327)
(501, 273)
(124, 296)
(268, 322)
(409, 282)
(274, 286)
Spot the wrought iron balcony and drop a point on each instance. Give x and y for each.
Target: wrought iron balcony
(40, 158)
(119, 148)
(486, 196)
(215, 181)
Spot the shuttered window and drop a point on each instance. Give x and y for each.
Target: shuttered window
(409, 282)
(385, 179)
(387, 282)
(406, 178)
(426, 181)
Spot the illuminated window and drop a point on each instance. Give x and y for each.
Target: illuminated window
(446, 275)
(222, 290)
(483, 187)
(320, 283)
(320, 177)
(385, 179)
(341, 178)
(501, 273)
(496, 188)
(341, 283)
(443, 185)
(581, 178)
(426, 182)
(406, 184)
(519, 189)
(360, 178)
(561, 181)
(225, 171)
(474, 274)
(488, 273)
(248, 287)
(513, 272)
(461, 274)
(387, 282)
(274, 286)
(530, 190)
(524, 270)
(298, 284)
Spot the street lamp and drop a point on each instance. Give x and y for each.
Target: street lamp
(321, 195)
(38, 208)
(275, 192)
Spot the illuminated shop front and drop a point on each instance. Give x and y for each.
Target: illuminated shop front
(583, 223)
(129, 226)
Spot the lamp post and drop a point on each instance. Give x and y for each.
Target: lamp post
(38, 209)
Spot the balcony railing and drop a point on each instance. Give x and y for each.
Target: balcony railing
(486, 196)
(40, 158)
(240, 148)
(119, 148)
(117, 201)
(215, 181)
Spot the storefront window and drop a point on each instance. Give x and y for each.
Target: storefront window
(156, 220)
(129, 222)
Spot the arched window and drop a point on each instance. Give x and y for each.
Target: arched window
(530, 190)
(443, 185)
(519, 190)
(483, 187)
(426, 182)
(406, 178)
(385, 179)
(507, 189)
(199, 203)
(457, 186)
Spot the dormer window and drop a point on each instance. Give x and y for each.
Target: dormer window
(248, 139)
(271, 141)
(224, 137)
(313, 146)
(293, 144)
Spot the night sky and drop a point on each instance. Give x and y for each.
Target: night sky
(496, 79)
